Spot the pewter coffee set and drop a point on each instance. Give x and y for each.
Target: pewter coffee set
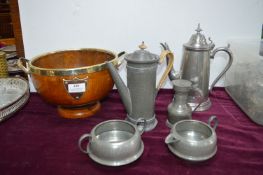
(118, 142)
(189, 139)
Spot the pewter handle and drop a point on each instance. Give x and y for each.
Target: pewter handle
(213, 119)
(141, 122)
(21, 65)
(229, 52)
(83, 137)
(171, 139)
(164, 54)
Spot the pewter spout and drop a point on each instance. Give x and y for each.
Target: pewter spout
(122, 88)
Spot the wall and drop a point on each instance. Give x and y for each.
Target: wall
(120, 25)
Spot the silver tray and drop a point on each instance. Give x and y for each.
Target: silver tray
(14, 93)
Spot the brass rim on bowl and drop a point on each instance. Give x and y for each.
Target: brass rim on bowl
(71, 71)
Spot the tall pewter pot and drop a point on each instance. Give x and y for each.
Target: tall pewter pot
(139, 94)
(196, 67)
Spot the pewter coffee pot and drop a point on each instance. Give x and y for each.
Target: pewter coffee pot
(139, 95)
(196, 67)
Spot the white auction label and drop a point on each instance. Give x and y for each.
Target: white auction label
(76, 88)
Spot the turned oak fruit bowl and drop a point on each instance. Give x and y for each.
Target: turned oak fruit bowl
(74, 80)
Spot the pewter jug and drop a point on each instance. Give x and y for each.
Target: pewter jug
(139, 95)
(196, 67)
(179, 109)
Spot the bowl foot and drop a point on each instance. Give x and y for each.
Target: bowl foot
(79, 112)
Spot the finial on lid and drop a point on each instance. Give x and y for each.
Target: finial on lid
(198, 28)
(142, 45)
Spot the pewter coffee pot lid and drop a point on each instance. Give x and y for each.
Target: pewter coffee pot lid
(142, 56)
(198, 41)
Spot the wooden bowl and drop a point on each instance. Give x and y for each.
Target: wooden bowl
(74, 80)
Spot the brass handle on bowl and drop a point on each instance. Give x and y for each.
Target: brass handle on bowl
(20, 64)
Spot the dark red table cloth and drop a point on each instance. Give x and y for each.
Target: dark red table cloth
(37, 141)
